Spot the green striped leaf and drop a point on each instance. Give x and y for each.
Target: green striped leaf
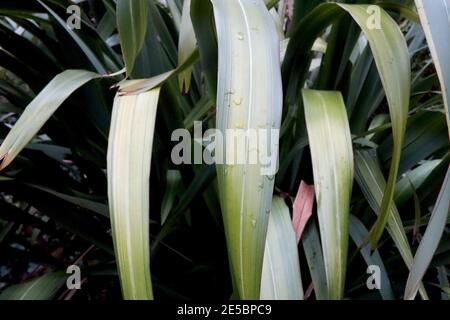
(392, 60)
(202, 17)
(415, 177)
(41, 288)
(332, 158)
(371, 181)
(248, 97)
(281, 278)
(40, 110)
(93, 206)
(129, 158)
(173, 189)
(132, 26)
(78, 40)
(430, 240)
(314, 257)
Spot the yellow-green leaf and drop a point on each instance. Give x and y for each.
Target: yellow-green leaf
(332, 159)
(391, 56)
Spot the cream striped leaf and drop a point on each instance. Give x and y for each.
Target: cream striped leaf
(129, 158)
(249, 96)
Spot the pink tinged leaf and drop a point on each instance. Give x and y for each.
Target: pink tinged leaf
(303, 205)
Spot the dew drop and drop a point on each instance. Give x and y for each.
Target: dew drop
(240, 36)
(253, 223)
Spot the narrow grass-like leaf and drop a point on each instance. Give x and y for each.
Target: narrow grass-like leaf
(40, 110)
(187, 44)
(435, 17)
(444, 283)
(249, 97)
(129, 158)
(359, 233)
(107, 25)
(281, 279)
(173, 179)
(202, 18)
(200, 109)
(314, 258)
(416, 177)
(41, 288)
(83, 46)
(371, 181)
(332, 158)
(132, 26)
(176, 13)
(204, 176)
(391, 56)
(100, 208)
(430, 240)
